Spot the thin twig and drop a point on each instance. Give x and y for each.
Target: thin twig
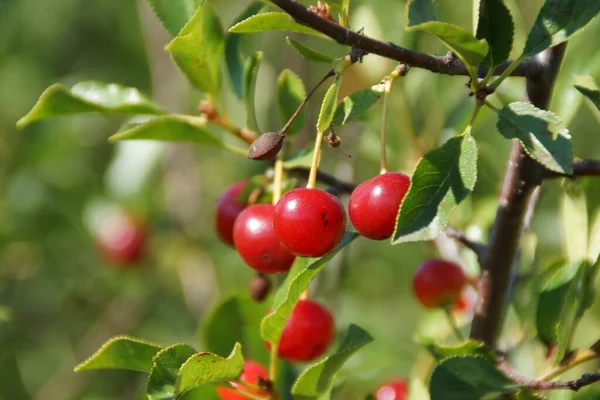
(477, 247)
(575, 385)
(448, 64)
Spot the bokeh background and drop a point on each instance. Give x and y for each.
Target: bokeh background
(60, 300)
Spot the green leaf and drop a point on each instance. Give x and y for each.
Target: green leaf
(299, 158)
(529, 124)
(250, 74)
(174, 14)
(564, 297)
(244, 314)
(469, 49)
(290, 93)
(89, 97)
(197, 50)
(442, 179)
(467, 348)
(592, 94)
(6, 314)
(496, 26)
(557, 21)
(300, 276)
(574, 222)
(161, 382)
(206, 368)
(356, 104)
(308, 53)
(233, 55)
(467, 378)
(271, 21)
(122, 352)
(421, 11)
(328, 106)
(318, 378)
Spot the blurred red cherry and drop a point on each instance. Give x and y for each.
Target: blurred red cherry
(252, 375)
(121, 238)
(393, 390)
(228, 209)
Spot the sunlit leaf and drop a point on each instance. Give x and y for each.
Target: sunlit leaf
(308, 53)
(249, 89)
(174, 14)
(328, 106)
(357, 104)
(161, 382)
(271, 21)
(122, 352)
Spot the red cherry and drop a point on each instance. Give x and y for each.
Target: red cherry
(256, 242)
(394, 390)
(374, 204)
(250, 376)
(308, 332)
(438, 283)
(309, 222)
(121, 238)
(228, 209)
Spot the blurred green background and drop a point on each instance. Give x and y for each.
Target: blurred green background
(59, 300)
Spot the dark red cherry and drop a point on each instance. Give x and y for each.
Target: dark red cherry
(309, 222)
(256, 242)
(228, 209)
(121, 238)
(393, 390)
(438, 283)
(308, 332)
(252, 375)
(374, 204)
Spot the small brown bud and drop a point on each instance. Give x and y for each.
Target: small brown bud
(323, 10)
(207, 108)
(260, 286)
(266, 146)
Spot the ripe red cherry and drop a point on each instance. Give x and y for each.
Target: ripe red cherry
(228, 209)
(308, 332)
(374, 204)
(121, 238)
(250, 376)
(309, 222)
(394, 390)
(256, 242)
(438, 283)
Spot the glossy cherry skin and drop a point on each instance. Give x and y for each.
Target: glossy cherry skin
(228, 209)
(374, 204)
(309, 222)
(121, 239)
(251, 374)
(308, 332)
(393, 390)
(256, 242)
(438, 283)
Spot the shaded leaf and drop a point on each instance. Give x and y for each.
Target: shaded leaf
(290, 93)
(300, 276)
(467, 348)
(161, 382)
(233, 55)
(206, 368)
(557, 21)
(318, 378)
(173, 14)
(467, 378)
(356, 104)
(299, 158)
(308, 53)
(529, 124)
(122, 352)
(89, 97)
(496, 26)
(574, 215)
(328, 106)
(442, 179)
(271, 21)
(592, 94)
(249, 89)
(198, 48)
(421, 11)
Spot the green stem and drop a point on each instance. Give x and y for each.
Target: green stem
(273, 363)
(580, 358)
(453, 324)
(491, 106)
(508, 71)
(383, 158)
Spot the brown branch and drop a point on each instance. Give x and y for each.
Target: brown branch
(580, 168)
(477, 247)
(575, 385)
(325, 178)
(522, 176)
(448, 65)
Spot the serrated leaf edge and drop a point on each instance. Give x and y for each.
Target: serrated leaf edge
(80, 367)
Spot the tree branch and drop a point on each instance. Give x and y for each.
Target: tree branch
(580, 168)
(522, 176)
(478, 248)
(575, 385)
(448, 65)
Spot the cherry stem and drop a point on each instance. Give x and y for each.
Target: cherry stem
(314, 166)
(246, 135)
(301, 106)
(383, 158)
(453, 324)
(277, 180)
(273, 362)
(305, 294)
